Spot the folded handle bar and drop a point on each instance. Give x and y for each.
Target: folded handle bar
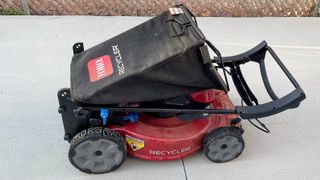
(257, 54)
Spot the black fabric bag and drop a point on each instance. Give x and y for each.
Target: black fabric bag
(161, 58)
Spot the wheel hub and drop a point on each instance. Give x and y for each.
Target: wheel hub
(225, 149)
(97, 156)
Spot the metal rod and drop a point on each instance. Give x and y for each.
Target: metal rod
(162, 110)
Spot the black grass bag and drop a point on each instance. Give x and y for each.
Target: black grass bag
(161, 58)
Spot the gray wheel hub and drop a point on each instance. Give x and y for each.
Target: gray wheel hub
(225, 149)
(97, 156)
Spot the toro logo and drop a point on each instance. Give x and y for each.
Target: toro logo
(99, 68)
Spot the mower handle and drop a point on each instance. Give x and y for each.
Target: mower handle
(257, 54)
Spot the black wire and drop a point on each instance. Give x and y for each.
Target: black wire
(217, 52)
(264, 127)
(228, 72)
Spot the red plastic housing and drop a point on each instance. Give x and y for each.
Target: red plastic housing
(154, 138)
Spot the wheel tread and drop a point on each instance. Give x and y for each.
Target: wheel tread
(220, 133)
(96, 133)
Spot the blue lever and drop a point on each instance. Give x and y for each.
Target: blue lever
(133, 117)
(104, 113)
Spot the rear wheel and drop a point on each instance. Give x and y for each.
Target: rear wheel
(224, 144)
(97, 150)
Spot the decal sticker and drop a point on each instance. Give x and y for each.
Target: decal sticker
(175, 11)
(99, 68)
(134, 143)
(119, 60)
(170, 152)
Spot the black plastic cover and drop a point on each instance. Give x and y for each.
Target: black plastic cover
(157, 59)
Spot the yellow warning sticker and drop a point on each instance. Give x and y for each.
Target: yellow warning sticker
(134, 143)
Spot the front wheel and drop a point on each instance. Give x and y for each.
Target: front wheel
(97, 150)
(223, 144)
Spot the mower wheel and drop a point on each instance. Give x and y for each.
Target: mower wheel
(97, 150)
(223, 144)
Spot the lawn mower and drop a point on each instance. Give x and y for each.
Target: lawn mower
(154, 92)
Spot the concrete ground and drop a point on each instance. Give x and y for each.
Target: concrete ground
(35, 54)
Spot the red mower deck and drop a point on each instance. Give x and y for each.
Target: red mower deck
(154, 138)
